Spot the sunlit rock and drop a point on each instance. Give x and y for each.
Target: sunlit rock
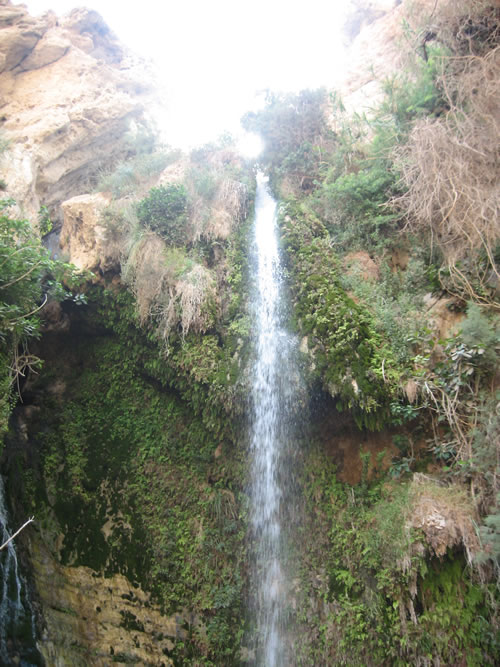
(69, 92)
(84, 239)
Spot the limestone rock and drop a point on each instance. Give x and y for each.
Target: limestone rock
(83, 237)
(69, 93)
(443, 316)
(90, 619)
(47, 50)
(444, 515)
(375, 53)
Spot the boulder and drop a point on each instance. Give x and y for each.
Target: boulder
(84, 240)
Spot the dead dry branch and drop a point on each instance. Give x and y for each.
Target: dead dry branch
(467, 27)
(450, 167)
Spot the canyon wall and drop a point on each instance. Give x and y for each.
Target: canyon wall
(71, 99)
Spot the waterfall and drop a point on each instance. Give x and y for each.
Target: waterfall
(274, 397)
(17, 623)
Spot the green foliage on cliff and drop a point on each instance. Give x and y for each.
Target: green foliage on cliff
(28, 279)
(127, 469)
(134, 463)
(352, 360)
(384, 215)
(164, 211)
(295, 135)
(383, 597)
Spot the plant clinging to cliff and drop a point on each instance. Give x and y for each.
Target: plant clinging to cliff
(450, 167)
(170, 289)
(164, 211)
(28, 276)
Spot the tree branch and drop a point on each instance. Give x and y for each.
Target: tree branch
(17, 532)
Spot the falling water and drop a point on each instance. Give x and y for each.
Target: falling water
(17, 626)
(275, 391)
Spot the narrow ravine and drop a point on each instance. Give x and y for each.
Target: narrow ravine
(274, 394)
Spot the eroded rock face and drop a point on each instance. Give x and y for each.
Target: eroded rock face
(375, 53)
(360, 263)
(90, 619)
(84, 239)
(69, 92)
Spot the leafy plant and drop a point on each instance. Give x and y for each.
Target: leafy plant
(295, 134)
(164, 211)
(44, 221)
(28, 278)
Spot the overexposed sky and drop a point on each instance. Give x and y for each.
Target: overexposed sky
(215, 55)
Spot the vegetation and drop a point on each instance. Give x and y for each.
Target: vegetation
(164, 211)
(28, 279)
(139, 448)
(382, 217)
(388, 594)
(295, 135)
(350, 356)
(399, 215)
(125, 450)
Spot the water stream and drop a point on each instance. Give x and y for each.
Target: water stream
(275, 397)
(17, 622)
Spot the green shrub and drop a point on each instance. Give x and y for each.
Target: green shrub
(28, 278)
(489, 534)
(296, 136)
(353, 362)
(478, 332)
(354, 207)
(164, 211)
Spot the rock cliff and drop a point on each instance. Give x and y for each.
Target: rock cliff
(69, 93)
(379, 33)
(128, 447)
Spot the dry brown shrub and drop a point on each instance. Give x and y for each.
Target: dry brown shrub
(168, 292)
(216, 218)
(464, 27)
(445, 515)
(194, 291)
(228, 209)
(467, 27)
(150, 279)
(218, 200)
(450, 166)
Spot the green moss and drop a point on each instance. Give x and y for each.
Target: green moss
(352, 360)
(125, 467)
(369, 592)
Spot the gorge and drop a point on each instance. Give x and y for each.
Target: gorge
(252, 406)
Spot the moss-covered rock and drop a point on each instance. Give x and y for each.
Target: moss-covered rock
(351, 360)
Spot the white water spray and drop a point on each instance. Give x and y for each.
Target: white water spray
(16, 616)
(10, 601)
(275, 387)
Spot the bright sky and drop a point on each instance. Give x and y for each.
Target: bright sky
(215, 55)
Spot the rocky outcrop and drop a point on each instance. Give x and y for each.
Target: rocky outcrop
(69, 93)
(90, 619)
(378, 28)
(84, 240)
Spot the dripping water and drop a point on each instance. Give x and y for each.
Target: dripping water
(17, 621)
(275, 395)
